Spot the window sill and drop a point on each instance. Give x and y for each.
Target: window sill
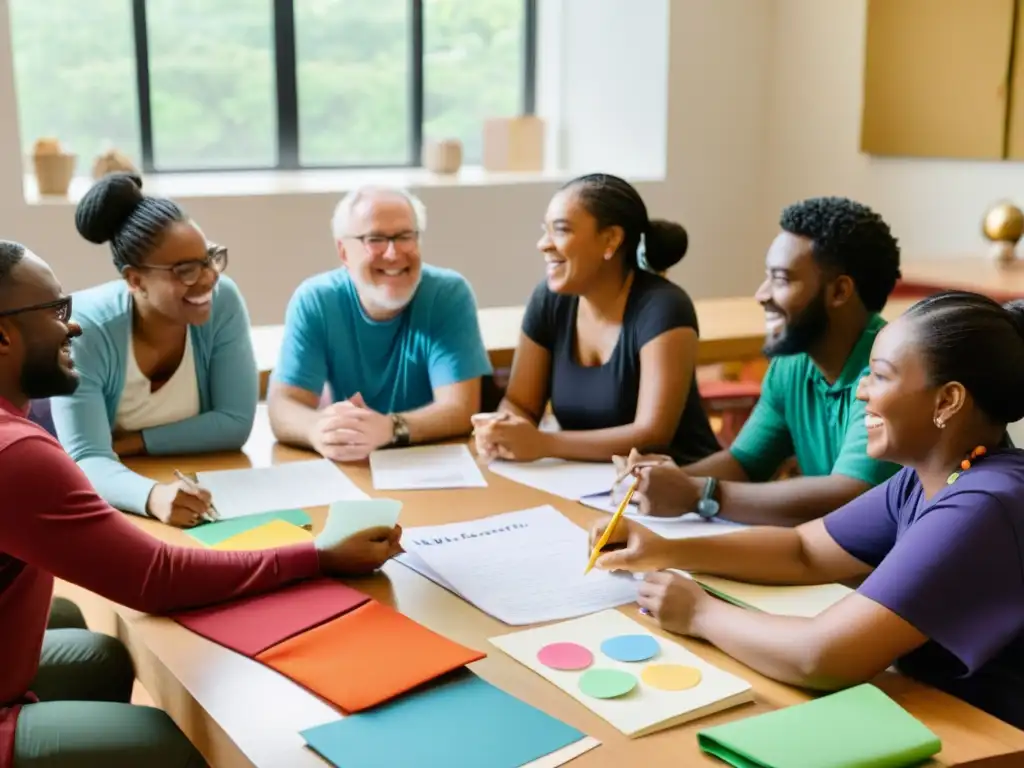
(305, 182)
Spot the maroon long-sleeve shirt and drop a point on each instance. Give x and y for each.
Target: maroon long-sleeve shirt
(53, 524)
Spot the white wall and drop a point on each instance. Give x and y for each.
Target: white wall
(712, 146)
(934, 206)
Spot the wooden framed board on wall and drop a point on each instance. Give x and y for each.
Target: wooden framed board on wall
(937, 78)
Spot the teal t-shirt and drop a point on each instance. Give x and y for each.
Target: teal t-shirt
(394, 364)
(800, 413)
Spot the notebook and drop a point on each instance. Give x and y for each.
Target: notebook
(636, 680)
(464, 721)
(366, 657)
(860, 727)
(253, 624)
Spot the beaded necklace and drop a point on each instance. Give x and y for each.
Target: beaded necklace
(977, 453)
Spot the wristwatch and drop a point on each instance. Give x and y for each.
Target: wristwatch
(399, 430)
(708, 505)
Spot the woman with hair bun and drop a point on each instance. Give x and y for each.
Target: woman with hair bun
(608, 341)
(939, 546)
(165, 361)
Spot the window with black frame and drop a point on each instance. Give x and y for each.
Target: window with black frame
(191, 85)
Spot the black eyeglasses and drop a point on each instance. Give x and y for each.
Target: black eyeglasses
(378, 244)
(61, 307)
(189, 272)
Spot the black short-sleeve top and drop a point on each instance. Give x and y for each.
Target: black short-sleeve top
(605, 396)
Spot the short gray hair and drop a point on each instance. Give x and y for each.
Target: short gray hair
(343, 210)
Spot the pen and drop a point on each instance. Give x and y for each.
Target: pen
(611, 526)
(192, 484)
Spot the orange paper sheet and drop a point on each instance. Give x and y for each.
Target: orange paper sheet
(276, 533)
(367, 656)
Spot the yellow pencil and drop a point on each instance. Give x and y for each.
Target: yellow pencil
(611, 526)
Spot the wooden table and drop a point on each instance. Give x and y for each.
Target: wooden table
(240, 713)
(731, 330)
(1003, 282)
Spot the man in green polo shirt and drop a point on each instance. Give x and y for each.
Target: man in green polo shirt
(829, 273)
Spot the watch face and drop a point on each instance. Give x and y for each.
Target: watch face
(707, 507)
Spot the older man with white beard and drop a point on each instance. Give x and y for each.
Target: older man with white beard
(397, 341)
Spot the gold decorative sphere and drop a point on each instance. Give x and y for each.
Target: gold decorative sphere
(1004, 223)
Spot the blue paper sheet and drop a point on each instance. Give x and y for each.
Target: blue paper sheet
(463, 723)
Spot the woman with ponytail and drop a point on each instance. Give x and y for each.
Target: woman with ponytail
(939, 546)
(606, 339)
(166, 362)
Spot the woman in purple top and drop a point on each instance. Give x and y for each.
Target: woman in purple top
(940, 546)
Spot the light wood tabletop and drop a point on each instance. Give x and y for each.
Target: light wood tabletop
(978, 273)
(240, 713)
(731, 330)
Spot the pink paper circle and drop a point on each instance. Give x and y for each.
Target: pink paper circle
(565, 656)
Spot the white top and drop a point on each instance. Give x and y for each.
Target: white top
(141, 408)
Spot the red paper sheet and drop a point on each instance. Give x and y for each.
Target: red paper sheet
(253, 624)
(367, 656)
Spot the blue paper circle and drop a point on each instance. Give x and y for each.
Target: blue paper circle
(630, 647)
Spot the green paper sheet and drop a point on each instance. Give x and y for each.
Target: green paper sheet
(214, 533)
(860, 727)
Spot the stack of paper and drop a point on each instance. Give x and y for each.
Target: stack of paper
(272, 534)
(860, 727)
(520, 567)
(212, 534)
(638, 681)
(425, 467)
(465, 721)
(239, 492)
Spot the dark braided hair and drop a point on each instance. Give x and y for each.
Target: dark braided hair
(10, 254)
(852, 239)
(970, 338)
(615, 202)
(114, 210)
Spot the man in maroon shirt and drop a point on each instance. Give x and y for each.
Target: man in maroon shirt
(73, 710)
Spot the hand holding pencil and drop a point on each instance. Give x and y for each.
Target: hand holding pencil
(627, 545)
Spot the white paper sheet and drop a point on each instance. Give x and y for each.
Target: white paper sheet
(425, 467)
(645, 709)
(568, 479)
(688, 526)
(565, 754)
(294, 485)
(520, 567)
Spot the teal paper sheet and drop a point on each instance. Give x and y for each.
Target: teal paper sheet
(463, 722)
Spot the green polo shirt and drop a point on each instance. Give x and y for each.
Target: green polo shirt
(800, 413)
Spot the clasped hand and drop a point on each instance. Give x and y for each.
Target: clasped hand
(350, 430)
(508, 436)
(663, 488)
(674, 601)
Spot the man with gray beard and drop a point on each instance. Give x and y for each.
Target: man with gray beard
(396, 341)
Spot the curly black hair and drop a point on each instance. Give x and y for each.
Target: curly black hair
(852, 239)
(10, 254)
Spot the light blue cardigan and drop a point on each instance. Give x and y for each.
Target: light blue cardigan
(225, 370)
